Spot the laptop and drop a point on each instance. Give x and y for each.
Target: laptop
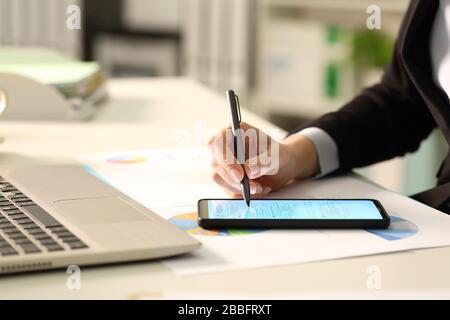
(58, 216)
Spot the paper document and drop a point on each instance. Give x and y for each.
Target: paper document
(152, 178)
(158, 178)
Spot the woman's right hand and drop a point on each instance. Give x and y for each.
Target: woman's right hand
(269, 164)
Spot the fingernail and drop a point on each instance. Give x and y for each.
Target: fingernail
(259, 188)
(267, 190)
(236, 175)
(255, 188)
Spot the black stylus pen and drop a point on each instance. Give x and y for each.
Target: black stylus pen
(235, 113)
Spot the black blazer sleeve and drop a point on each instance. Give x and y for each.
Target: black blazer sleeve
(386, 120)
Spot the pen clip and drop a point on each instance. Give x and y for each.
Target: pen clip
(238, 107)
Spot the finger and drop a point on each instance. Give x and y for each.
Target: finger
(260, 166)
(222, 179)
(266, 190)
(233, 192)
(255, 187)
(227, 177)
(224, 156)
(252, 169)
(262, 187)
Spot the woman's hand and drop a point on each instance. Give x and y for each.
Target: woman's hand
(269, 164)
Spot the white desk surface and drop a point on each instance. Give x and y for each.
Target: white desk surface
(145, 113)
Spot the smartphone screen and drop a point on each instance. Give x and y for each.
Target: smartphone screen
(335, 209)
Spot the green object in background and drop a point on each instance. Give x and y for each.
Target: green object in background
(332, 69)
(371, 49)
(332, 80)
(334, 34)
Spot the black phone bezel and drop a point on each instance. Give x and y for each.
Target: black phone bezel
(207, 223)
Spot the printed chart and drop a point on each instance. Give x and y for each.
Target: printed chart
(398, 230)
(188, 223)
(170, 183)
(127, 159)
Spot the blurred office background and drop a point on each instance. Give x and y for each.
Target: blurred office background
(290, 60)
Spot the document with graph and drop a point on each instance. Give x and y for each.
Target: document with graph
(171, 181)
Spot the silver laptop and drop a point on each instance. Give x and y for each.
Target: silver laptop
(57, 216)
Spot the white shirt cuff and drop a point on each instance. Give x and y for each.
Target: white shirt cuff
(326, 147)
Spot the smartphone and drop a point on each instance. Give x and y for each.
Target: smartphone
(292, 213)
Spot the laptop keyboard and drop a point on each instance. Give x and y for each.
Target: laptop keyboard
(26, 228)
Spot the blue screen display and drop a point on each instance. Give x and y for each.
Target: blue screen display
(294, 209)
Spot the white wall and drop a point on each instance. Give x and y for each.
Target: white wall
(217, 42)
(38, 23)
(152, 14)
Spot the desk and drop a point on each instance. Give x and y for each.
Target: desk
(144, 114)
